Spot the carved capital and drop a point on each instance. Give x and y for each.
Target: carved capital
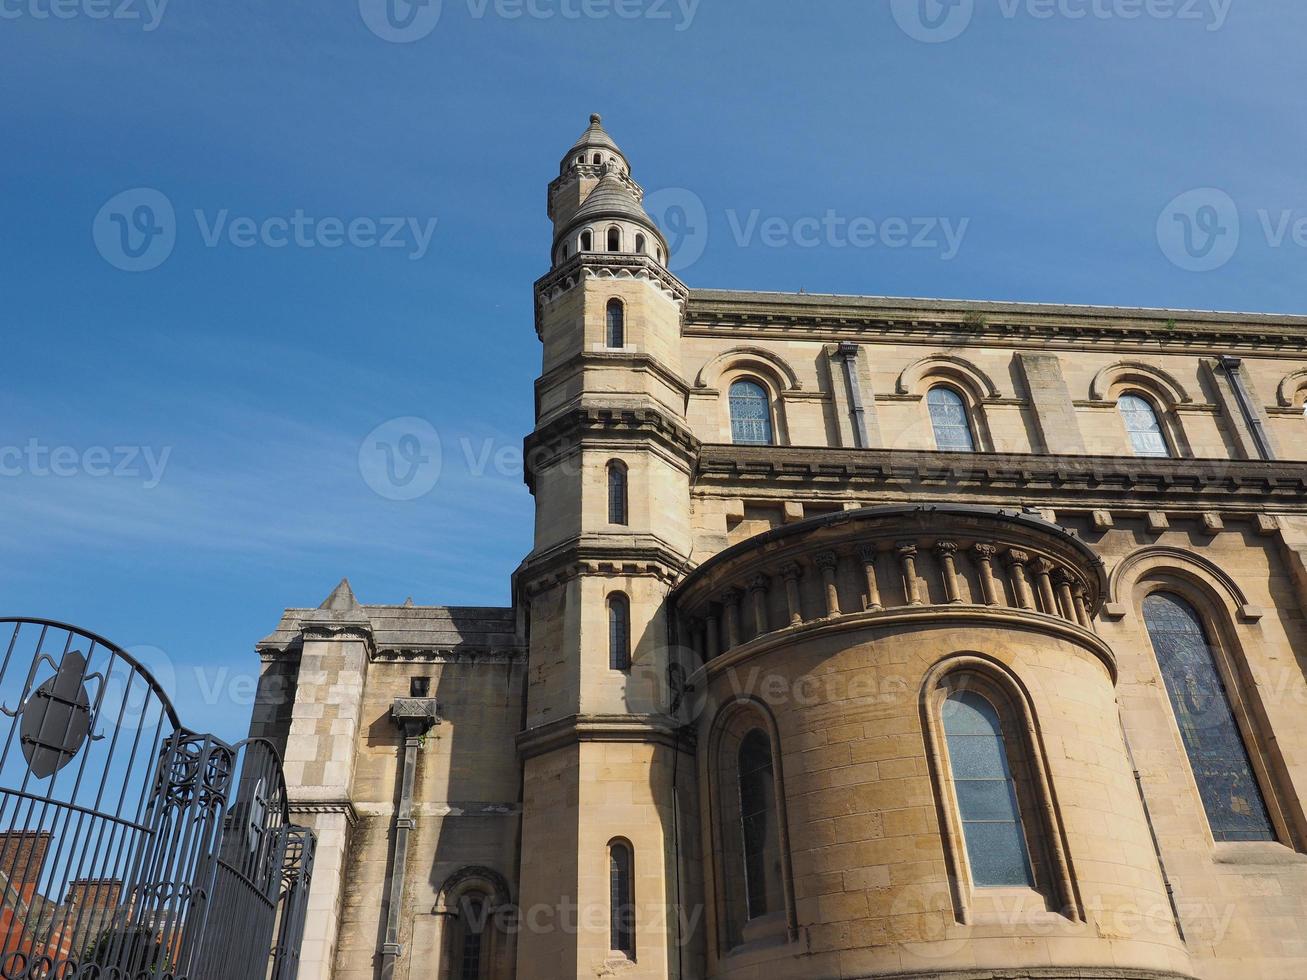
(1043, 566)
(1017, 557)
(759, 583)
(946, 549)
(867, 554)
(827, 560)
(791, 571)
(906, 549)
(985, 552)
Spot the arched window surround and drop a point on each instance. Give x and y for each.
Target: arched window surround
(621, 907)
(1219, 612)
(1163, 392)
(460, 894)
(1055, 888)
(970, 383)
(586, 241)
(755, 364)
(725, 884)
(614, 239)
(619, 493)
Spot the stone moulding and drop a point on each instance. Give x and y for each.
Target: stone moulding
(1081, 480)
(906, 564)
(605, 265)
(656, 729)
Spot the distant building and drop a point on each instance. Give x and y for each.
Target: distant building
(861, 637)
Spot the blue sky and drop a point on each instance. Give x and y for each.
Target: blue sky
(232, 387)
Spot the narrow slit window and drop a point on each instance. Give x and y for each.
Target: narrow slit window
(617, 494)
(949, 418)
(619, 632)
(762, 845)
(587, 241)
(615, 332)
(986, 793)
(621, 899)
(614, 240)
(1218, 755)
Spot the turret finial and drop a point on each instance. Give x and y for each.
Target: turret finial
(595, 119)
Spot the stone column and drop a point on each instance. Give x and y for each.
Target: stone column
(985, 561)
(868, 555)
(828, 561)
(758, 588)
(907, 552)
(945, 551)
(1043, 576)
(790, 573)
(731, 604)
(1016, 561)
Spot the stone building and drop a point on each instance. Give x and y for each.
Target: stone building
(860, 637)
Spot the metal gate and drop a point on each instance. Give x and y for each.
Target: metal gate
(131, 847)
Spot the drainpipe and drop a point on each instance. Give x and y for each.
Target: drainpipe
(848, 353)
(414, 717)
(1256, 426)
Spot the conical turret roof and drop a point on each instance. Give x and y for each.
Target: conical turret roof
(612, 198)
(594, 138)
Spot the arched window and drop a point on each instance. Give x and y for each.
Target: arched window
(617, 511)
(639, 244)
(1236, 809)
(615, 333)
(762, 843)
(614, 239)
(621, 898)
(469, 952)
(619, 632)
(1142, 426)
(750, 414)
(948, 416)
(587, 241)
(988, 806)
(598, 158)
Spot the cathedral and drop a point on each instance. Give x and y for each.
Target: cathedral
(860, 638)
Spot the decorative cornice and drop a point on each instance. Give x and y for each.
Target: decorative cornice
(604, 265)
(448, 655)
(953, 322)
(636, 361)
(643, 729)
(1076, 480)
(577, 425)
(578, 556)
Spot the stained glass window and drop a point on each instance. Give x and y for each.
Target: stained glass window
(616, 493)
(619, 632)
(1218, 756)
(750, 414)
(948, 415)
(987, 798)
(1141, 424)
(616, 333)
(762, 848)
(621, 900)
